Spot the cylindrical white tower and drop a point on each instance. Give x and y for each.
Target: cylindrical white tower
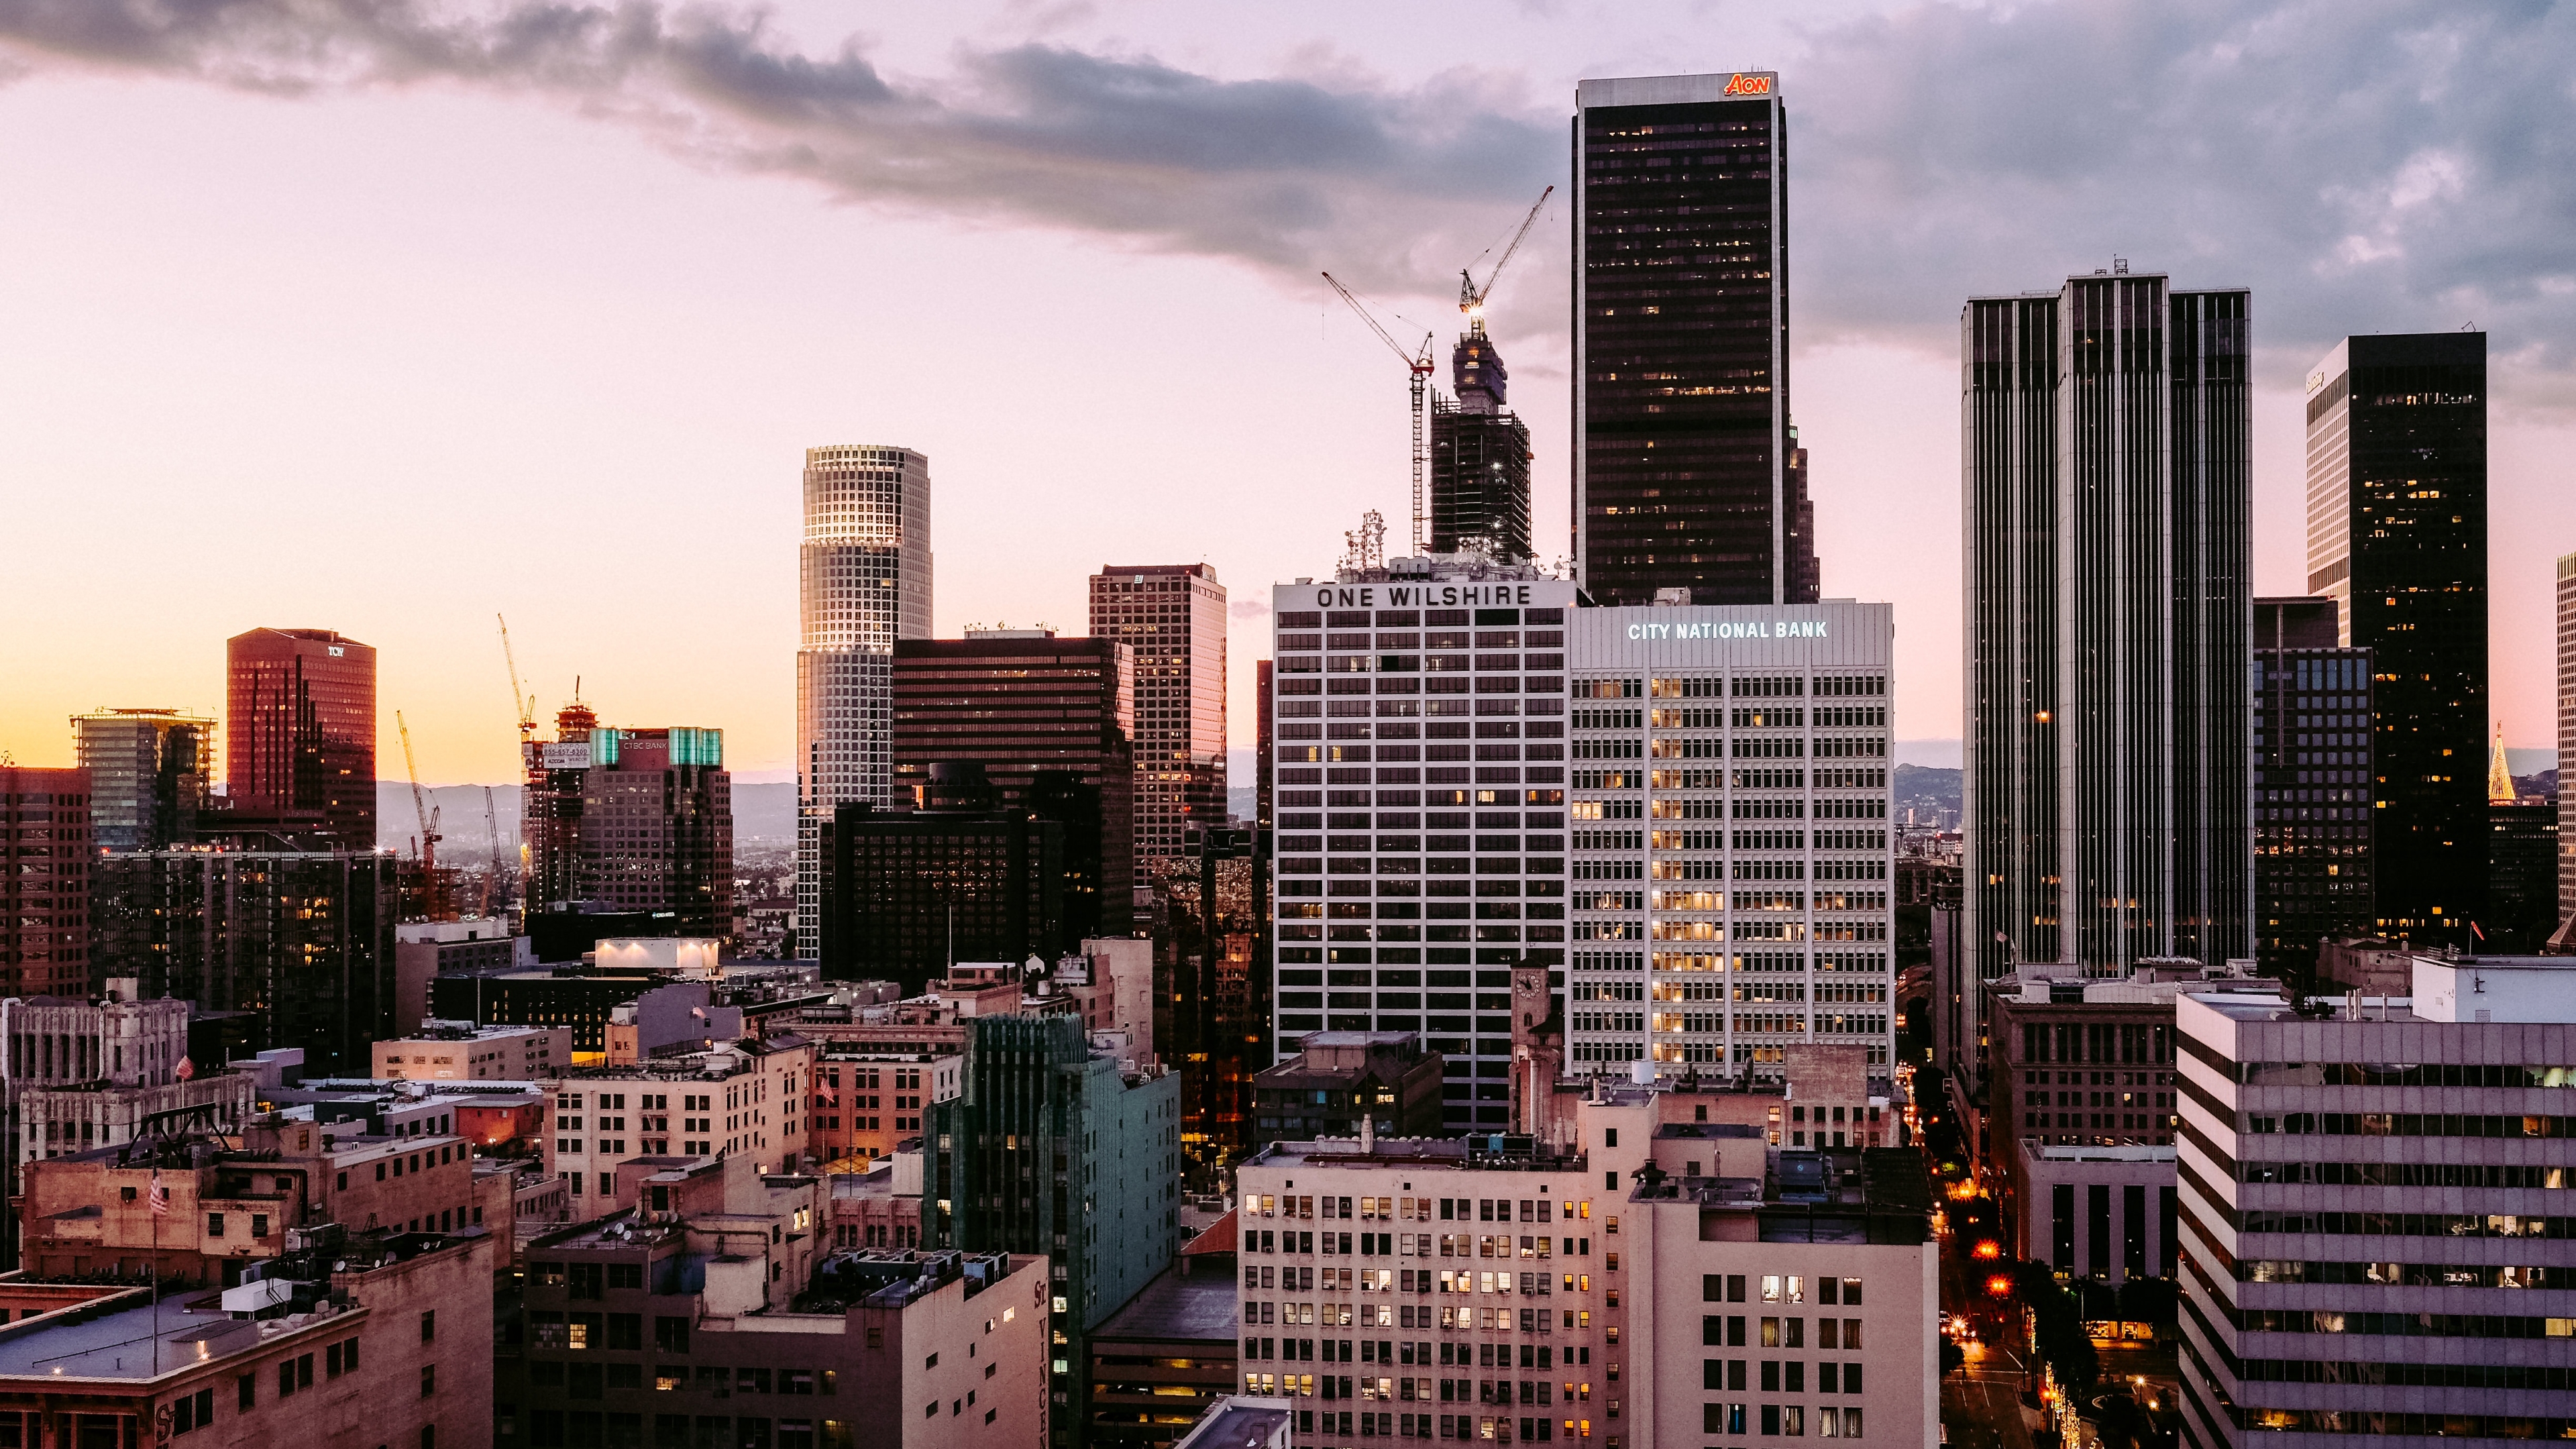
(864, 582)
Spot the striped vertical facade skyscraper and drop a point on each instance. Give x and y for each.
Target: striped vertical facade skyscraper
(2108, 610)
(863, 582)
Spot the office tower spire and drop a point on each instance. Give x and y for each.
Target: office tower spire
(2397, 530)
(2107, 501)
(864, 582)
(1682, 444)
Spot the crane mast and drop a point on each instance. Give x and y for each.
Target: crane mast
(521, 703)
(1419, 362)
(429, 836)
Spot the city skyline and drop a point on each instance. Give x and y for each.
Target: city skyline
(622, 269)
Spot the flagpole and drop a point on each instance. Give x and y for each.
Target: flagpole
(159, 1207)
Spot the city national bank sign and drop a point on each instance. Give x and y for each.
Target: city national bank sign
(1732, 629)
(1371, 596)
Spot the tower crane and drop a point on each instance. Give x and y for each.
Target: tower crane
(492, 871)
(524, 704)
(1419, 361)
(1471, 298)
(429, 836)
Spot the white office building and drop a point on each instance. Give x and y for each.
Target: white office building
(1729, 855)
(863, 582)
(1418, 713)
(2375, 1233)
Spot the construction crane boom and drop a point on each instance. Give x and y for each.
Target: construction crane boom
(1471, 298)
(522, 703)
(1419, 362)
(420, 802)
(492, 869)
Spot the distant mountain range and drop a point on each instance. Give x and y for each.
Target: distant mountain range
(1921, 785)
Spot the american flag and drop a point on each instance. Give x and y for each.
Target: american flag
(160, 1196)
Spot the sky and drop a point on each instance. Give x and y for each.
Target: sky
(394, 317)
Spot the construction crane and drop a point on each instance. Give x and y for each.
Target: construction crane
(1471, 298)
(492, 871)
(429, 836)
(525, 705)
(1419, 361)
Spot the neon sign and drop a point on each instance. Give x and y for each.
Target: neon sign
(1748, 85)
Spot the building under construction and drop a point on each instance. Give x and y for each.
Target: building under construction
(1480, 458)
(631, 821)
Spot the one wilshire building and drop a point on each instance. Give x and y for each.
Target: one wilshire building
(1419, 756)
(2107, 564)
(1687, 473)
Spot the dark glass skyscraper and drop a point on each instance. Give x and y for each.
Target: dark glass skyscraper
(2108, 512)
(1049, 722)
(300, 734)
(1682, 444)
(1480, 457)
(2311, 786)
(960, 877)
(2397, 536)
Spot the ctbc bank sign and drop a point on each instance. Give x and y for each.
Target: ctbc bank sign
(1749, 85)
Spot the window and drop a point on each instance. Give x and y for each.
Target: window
(214, 1225)
(671, 1335)
(429, 1381)
(259, 1225)
(192, 1411)
(246, 1392)
(429, 1325)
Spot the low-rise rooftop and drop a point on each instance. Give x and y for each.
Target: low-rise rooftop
(1503, 1152)
(1177, 1307)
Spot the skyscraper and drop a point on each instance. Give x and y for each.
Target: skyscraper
(1480, 457)
(1728, 833)
(1682, 443)
(655, 832)
(2397, 536)
(300, 735)
(300, 941)
(2566, 737)
(1402, 681)
(1048, 721)
(2311, 786)
(962, 877)
(150, 772)
(1173, 617)
(2107, 565)
(863, 582)
(45, 855)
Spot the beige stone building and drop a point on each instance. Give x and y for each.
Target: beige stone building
(1603, 1284)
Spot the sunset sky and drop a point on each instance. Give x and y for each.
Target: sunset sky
(389, 317)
